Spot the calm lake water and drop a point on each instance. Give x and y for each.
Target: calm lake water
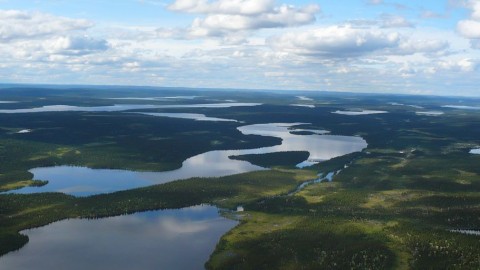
(155, 98)
(82, 181)
(475, 151)
(168, 239)
(430, 113)
(462, 107)
(193, 116)
(304, 98)
(360, 112)
(123, 107)
(303, 105)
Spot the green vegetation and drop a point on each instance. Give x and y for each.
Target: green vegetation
(392, 207)
(276, 242)
(19, 212)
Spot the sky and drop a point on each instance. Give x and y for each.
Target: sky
(376, 46)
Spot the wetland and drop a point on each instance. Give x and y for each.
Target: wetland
(313, 193)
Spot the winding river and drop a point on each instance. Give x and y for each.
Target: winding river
(82, 181)
(168, 239)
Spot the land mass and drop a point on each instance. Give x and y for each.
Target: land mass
(398, 204)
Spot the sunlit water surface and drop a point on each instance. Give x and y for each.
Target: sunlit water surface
(168, 239)
(82, 181)
(475, 151)
(360, 112)
(123, 107)
(192, 116)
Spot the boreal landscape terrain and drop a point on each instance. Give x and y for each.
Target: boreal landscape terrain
(410, 199)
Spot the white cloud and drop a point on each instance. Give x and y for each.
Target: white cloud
(78, 45)
(458, 65)
(475, 6)
(465, 65)
(234, 7)
(335, 42)
(226, 17)
(283, 16)
(384, 53)
(470, 28)
(395, 21)
(15, 25)
(411, 46)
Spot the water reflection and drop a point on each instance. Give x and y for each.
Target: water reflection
(155, 98)
(304, 98)
(462, 107)
(193, 116)
(169, 239)
(303, 105)
(475, 151)
(80, 181)
(68, 108)
(320, 147)
(123, 107)
(430, 113)
(361, 112)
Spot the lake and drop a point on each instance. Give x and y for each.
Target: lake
(430, 113)
(82, 181)
(475, 151)
(123, 107)
(192, 116)
(167, 239)
(359, 112)
(462, 107)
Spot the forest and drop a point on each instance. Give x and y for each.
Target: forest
(395, 205)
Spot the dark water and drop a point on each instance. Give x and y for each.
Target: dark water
(168, 239)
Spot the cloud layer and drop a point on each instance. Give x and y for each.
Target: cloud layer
(225, 17)
(376, 46)
(335, 41)
(470, 28)
(17, 25)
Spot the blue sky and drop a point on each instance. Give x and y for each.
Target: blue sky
(411, 47)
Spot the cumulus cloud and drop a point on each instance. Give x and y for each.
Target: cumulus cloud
(17, 25)
(335, 41)
(475, 6)
(395, 21)
(346, 42)
(78, 45)
(236, 7)
(410, 46)
(224, 17)
(41, 41)
(378, 52)
(470, 28)
(465, 65)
